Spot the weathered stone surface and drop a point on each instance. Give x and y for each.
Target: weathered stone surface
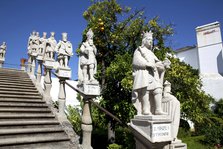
(26, 120)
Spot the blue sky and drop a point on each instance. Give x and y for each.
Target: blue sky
(20, 17)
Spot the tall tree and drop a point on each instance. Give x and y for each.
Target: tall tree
(117, 33)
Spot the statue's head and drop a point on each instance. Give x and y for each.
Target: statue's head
(147, 39)
(44, 34)
(90, 36)
(52, 34)
(37, 34)
(64, 36)
(167, 87)
(34, 33)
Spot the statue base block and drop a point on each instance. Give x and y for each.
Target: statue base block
(34, 54)
(2, 60)
(89, 89)
(49, 64)
(39, 57)
(63, 72)
(155, 128)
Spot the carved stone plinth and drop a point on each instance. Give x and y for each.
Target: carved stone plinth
(156, 128)
(89, 89)
(153, 132)
(49, 63)
(63, 72)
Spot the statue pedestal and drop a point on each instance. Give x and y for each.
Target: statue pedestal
(48, 63)
(89, 89)
(63, 72)
(34, 54)
(39, 58)
(153, 132)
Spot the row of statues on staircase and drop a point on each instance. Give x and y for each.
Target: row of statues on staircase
(47, 47)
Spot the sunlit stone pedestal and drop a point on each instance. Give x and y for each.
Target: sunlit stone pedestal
(153, 132)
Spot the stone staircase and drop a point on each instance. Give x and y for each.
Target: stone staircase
(26, 121)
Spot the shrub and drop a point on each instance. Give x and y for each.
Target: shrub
(114, 146)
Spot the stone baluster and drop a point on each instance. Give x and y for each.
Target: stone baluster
(47, 83)
(62, 97)
(1, 63)
(29, 64)
(39, 71)
(33, 65)
(86, 125)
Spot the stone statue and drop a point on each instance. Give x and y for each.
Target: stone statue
(31, 37)
(172, 106)
(50, 46)
(87, 60)
(147, 72)
(33, 45)
(64, 50)
(3, 50)
(42, 44)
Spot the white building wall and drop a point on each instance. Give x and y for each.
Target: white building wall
(207, 57)
(209, 43)
(210, 59)
(189, 57)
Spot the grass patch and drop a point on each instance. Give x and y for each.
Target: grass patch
(195, 142)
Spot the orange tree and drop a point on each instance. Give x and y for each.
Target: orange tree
(117, 33)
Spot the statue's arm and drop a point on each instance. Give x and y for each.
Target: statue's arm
(83, 49)
(138, 61)
(95, 50)
(71, 49)
(58, 46)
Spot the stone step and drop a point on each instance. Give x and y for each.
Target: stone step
(25, 109)
(22, 100)
(8, 115)
(33, 122)
(15, 78)
(4, 127)
(11, 75)
(20, 96)
(18, 84)
(11, 70)
(7, 88)
(43, 145)
(29, 130)
(22, 105)
(19, 93)
(33, 138)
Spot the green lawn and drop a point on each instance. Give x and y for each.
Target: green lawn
(195, 143)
